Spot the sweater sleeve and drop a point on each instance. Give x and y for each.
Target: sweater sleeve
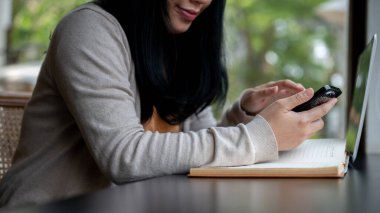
(235, 115)
(258, 128)
(93, 72)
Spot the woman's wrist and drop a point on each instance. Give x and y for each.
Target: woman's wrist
(246, 111)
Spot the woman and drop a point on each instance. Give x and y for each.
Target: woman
(124, 94)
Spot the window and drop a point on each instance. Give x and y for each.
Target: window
(25, 27)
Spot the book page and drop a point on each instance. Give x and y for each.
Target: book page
(313, 153)
(315, 150)
(286, 165)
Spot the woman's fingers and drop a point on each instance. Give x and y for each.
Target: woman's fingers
(291, 84)
(286, 84)
(319, 111)
(297, 99)
(292, 128)
(268, 91)
(315, 126)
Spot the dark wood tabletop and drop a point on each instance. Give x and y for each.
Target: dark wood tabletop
(358, 191)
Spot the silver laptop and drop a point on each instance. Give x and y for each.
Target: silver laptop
(360, 98)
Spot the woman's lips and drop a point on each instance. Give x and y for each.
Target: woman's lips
(187, 14)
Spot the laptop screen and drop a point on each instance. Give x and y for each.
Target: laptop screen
(360, 98)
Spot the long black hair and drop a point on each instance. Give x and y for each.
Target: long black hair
(178, 74)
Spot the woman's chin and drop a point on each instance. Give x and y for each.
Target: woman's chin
(179, 28)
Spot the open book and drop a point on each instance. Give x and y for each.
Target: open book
(313, 158)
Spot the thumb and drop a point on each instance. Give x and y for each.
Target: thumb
(298, 98)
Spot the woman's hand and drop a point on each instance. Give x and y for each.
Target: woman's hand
(256, 99)
(291, 128)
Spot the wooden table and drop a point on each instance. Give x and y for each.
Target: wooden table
(359, 191)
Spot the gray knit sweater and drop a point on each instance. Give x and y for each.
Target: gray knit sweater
(81, 129)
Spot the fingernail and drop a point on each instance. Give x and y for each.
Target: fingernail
(309, 92)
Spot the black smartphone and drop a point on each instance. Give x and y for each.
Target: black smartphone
(321, 96)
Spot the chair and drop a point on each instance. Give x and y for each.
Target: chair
(11, 111)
